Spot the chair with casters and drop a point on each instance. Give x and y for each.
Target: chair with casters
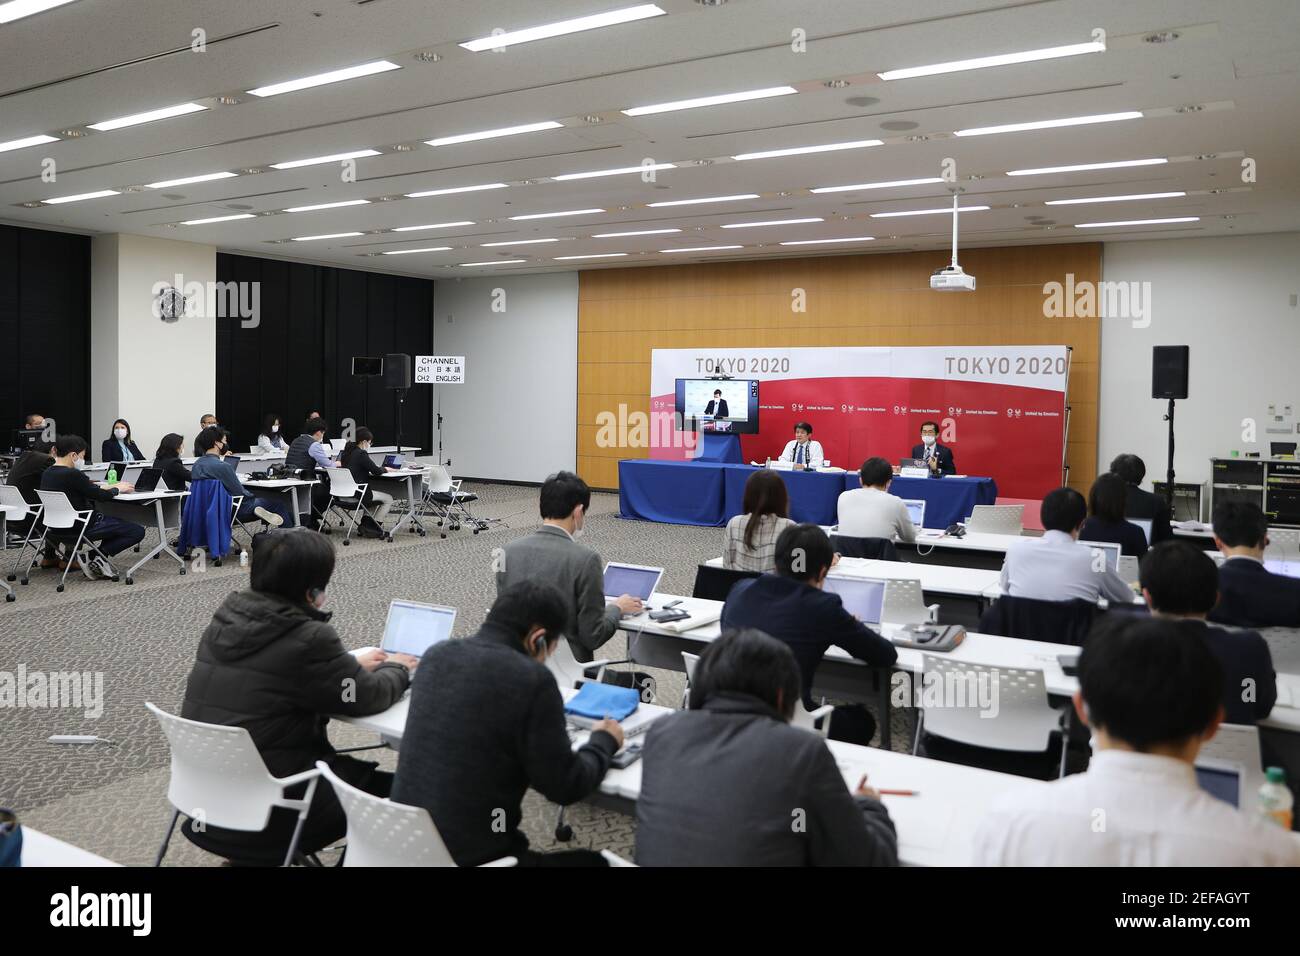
(27, 517)
(344, 490)
(448, 503)
(68, 526)
(217, 771)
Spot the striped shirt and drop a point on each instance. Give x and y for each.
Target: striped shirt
(762, 556)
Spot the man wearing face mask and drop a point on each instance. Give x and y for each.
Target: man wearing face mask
(938, 458)
(113, 534)
(215, 443)
(487, 722)
(271, 662)
(552, 555)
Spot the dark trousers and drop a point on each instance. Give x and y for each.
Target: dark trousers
(114, 534)
(274, 505)
(853, 723)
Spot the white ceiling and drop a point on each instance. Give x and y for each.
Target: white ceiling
(92, 60)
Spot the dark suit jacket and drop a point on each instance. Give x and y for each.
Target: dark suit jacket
(1128, 536)
(1244, 657)
(1252, 596)
(806, 618)
(111, 451)
(174, 473)
(1147, 504)
(946, 466)
(721, 412)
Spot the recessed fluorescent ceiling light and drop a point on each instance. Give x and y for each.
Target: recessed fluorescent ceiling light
(710, 101)
(598, 255)
(1135, 222)
(518, 242)
(702, 249)
(331, 235)
(1000, 59)
(888, 185)
(704, 199)
(553, 215)
(1050, 124)
(1120, 164)
(1075, 202)
(17, 9)
(801, 150)
(494, 133)
(320, 79)
(813, 242)
(636, 232)
(329, 205)
(135, 119)
(433, 225)
(560, 28)
(408, 252)
(620, 171)
(187, 180)
(80, 196)
(771, 222)
(926, 212)
(494, 262)
(332, 158)
(204, 222)
(27, 141)
(456, 189)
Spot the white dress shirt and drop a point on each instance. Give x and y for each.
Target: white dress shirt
(872, 513)
(1128, 809)
(812, 452)
(1055, 567)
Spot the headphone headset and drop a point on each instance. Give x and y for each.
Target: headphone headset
(315, 594)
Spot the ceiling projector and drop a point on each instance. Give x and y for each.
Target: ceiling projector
(952, 279)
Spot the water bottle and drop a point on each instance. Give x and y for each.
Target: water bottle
(1275, 800)
(112, 474)
(243, 559)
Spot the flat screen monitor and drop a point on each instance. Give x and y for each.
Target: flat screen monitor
(24, 439)
(367, 365)
(725, 406)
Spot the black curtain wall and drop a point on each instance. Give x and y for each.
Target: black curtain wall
(298, 359)
(44, 328)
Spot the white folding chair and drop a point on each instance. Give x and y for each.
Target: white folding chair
(384, 833)
(566, 669)
(218, 776)
(59, 516)
(817, 720)
(448, 503)
(996, 519)
(904, 603)
(344, 490)
(1023, 720)
(11, 497)
(689, 660)
(338, 444)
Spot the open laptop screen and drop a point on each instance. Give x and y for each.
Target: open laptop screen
(413, 628)
(1221, 782)
(1289, 568)
(631, 579)
(864, 598)
(915, 510)
(1111, 551)
(1144, 524)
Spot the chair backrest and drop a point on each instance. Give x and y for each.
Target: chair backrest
(714, 583)
(803, 719)
(205, 517)
(996, 519)
(338, 444)
(1002, 708)
(878, 549)
(689, 660)
(12, 497)
(1129, 567)
(564, 666)
(1057, 622)
(904, 602)
(217, 774)
(1284, 646)
(59, 513)
(383, 833)
(438, 479)
(342, 484)
(1283, 543)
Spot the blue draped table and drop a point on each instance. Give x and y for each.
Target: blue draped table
(710, 493)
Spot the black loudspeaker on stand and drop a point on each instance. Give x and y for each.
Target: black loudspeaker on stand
(1169, 379)
(397, 376)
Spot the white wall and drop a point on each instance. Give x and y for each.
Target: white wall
(159, 376)
(516, 417)
(1234, 301)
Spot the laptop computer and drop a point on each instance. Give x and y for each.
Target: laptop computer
(912, 463)
(1223, 779)
(148, 480)
(1111, 551)
(393, 461)
(1144, 524)
(634, 579)
(412, 628)
(232, 460)
(1290, 569)
(916, 511)
(864, 598)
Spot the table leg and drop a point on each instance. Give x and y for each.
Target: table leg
(297, 515)
(4, 549)
(162, 547)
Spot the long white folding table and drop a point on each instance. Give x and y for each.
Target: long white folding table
(163, 506)
(404, 484)
(41, 849)
(284, 488)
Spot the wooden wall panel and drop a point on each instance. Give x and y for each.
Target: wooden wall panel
(868, 300)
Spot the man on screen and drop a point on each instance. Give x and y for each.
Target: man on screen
(938, 458)
(718, 406)
(802, 450)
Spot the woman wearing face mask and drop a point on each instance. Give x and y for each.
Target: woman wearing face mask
(355, 457)
(271, 662)
(120, 447)
(270, 441)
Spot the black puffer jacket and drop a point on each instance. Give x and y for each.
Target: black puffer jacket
(279, 669)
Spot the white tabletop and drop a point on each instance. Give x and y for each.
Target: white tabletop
(961, 582)
(971, 541)
(41, 849)
(149, 495)
(275, 482)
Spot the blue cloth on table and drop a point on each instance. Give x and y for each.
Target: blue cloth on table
(719, 448)
(598, 701)
(676, 492)
(205, 519)
(813, 494)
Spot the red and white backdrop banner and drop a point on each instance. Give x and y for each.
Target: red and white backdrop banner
(1001, 408)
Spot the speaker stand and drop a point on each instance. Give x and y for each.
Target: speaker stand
(1169, 474)
(399, 399)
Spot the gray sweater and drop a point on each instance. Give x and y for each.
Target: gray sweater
(486, 723)
(731, 784)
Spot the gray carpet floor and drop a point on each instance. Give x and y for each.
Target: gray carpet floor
(110, 798)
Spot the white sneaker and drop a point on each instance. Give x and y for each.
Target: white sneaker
(103, 568)
(270, 517)
(87, 568)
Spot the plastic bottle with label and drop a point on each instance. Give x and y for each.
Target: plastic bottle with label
(1275, 799)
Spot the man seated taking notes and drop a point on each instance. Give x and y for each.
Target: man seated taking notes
(871, 511)
(802, 450)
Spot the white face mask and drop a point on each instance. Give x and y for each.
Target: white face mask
(927, 439)
(275, 429)
(79, 464)
(119, 433)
